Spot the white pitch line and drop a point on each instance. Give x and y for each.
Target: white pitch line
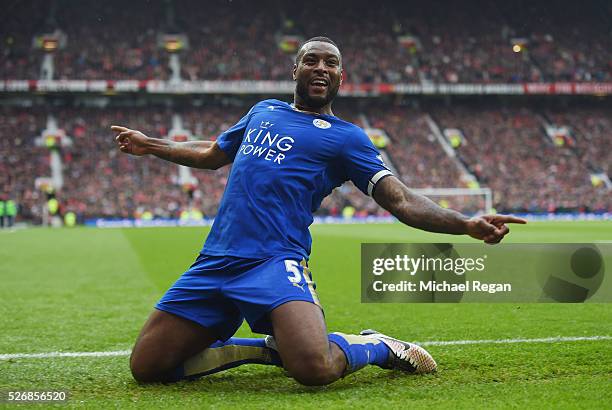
(510, 341)
(559, 339)
(63, 354)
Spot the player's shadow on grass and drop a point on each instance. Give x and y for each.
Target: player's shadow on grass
(276, 381)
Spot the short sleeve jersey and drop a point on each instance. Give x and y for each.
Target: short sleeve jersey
(284, 163)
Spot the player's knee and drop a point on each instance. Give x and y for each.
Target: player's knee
(314, 370)
(150, 369)
(143, 371)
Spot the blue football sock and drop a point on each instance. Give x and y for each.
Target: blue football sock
(226, 355)
(360, 350)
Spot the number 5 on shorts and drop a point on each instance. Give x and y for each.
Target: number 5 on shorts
(292, 267)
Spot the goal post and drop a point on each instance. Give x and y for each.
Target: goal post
(468, 200)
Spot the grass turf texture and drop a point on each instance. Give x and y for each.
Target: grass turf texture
(92, 289)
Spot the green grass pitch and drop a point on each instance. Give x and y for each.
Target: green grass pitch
(91, 290)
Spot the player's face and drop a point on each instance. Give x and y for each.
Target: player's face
(318, 73)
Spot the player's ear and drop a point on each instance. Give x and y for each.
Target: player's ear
(294, 71)
(341, 76)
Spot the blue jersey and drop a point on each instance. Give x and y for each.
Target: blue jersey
(284, 163)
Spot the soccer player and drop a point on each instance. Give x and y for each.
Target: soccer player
(286, 158)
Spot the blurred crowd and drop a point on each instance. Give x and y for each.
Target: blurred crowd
(102, 182)
(420, 160)
(406, 42)
(21, 161)
(418, 156)
(508, 150)
(505, 148)
(590, 130)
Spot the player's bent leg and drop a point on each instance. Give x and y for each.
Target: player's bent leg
(165, 342)
(233, 352)
(290, 310)
(301, 339)
(314, 358)
(189, 334)
(171, 348)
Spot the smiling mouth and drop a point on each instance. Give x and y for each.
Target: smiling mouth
(319, 84)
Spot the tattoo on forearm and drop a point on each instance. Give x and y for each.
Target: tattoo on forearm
(416, 210)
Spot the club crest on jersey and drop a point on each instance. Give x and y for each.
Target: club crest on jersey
(319, 123)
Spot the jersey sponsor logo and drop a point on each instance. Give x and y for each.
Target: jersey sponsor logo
(262, 143)
(319, 123)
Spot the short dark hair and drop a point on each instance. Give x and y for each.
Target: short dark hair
(320, 38)
(317, 38)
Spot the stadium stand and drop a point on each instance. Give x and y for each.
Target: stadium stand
(21, 161)
(421, 161)
(506, 149)
(103, 183)
(590, 130)
(536, 156)
(411, 42)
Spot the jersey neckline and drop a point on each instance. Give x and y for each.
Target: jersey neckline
(292, 106)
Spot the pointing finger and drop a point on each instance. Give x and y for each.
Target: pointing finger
(501, 219)
(119, 128)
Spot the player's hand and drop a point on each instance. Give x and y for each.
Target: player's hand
(131, 141)
(491, 228)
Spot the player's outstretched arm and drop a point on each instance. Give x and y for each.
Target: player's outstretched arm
(195, 154)
(420, 212)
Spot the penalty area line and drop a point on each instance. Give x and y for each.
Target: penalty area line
(559, 339)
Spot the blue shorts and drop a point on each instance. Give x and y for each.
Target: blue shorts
(219, 292)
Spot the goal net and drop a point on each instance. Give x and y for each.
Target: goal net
(471, 201)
